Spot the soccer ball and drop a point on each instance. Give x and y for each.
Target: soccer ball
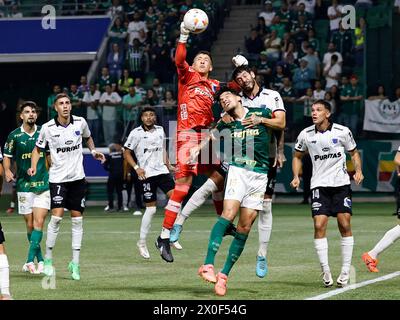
(195, 20)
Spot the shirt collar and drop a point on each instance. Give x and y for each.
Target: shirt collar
(258, 93)
(71, 121)
(29, 134)
(329, 127)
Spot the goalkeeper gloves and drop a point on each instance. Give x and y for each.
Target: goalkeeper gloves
(184, 33)
(239, 60)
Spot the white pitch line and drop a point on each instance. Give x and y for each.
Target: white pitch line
(354, 286)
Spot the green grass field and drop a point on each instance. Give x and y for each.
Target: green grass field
(111, 267)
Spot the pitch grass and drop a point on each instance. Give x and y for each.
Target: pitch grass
(111, 267)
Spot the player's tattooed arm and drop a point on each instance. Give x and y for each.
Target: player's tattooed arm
(97, 155)
(296, 167)
(356, 159)
(280, 156)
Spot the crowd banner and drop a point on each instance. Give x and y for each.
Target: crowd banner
(382, 116)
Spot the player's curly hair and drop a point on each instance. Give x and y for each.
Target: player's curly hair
(239, 70)
(28, 103)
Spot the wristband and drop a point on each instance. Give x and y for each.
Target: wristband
(135, 167)
(93, 152)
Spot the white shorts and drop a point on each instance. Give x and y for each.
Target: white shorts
(29, 200)
(246, 186)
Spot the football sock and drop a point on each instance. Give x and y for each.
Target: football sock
(347, 244)
(52, 232)
(165, 233)
(235, 250)
(12, 204)
(28, 235)
(321, 246)
(217, 233)
(388, 239)
(34, 247)
(264, 227)
(4, 275)
(77, 234)
(174, 204)
(146, 222)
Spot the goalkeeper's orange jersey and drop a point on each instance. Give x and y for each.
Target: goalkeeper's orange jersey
(195, 94)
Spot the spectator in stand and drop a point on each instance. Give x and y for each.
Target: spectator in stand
(125, 82)
(136, 59)
(279, 27)
(379, 93)
(260, 27)
(344, 81)
(264, 68)
(307, 101)
(328, 55)
(91, 100)
(186, 6)
(359, 34)
(118, 33)
(318, 93)
(109, 100)
(15, 13)
(344, 43)
(332, 72)
(70, 8)
(397, 94)
(105, 79)
(131, 103)
(151, 98)
(267, 13)
(135, 26)
(138, 87)
(116, 9)
(288, 95)
(328, 98)
(151, 18)
(290, 55)
(334, 15)
(273, 46)
(160, 61)
(115, 61)
(132, 7)
(363, 4)
(313, 63)
(158, 88)
(309, 6)
(169, 104)
(51, 111)
(351, 97)
(76, 101)
(172, 14)
(301, 12)
(254, 45)
(159, 32)
(299, 31)
(284, 15)
(83, 87)
(313, 41)
(302, 78)
(277, 79)
(335, 94)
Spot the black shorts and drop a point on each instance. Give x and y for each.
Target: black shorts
(70, 195)
(330, 201)
(150, 185)
(271, 177)
(2, 238)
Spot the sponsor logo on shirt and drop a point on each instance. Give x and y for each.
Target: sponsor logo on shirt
(68, 149)
(316, 205)
(68, 142)
(327, 156)
(326, 149)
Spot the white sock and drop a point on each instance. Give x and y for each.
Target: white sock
(165, 233)
(388, 239)
(146, 223)
(321, 246)
(125, 198)
(347, 244)
(52, 232)
(77, 234)
(264, 227)
(12, 204)
(4, 275)
(196, 200)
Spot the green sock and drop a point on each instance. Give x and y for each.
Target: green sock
(217, 233)
(35, 245)
(235, 250)
(29, 235)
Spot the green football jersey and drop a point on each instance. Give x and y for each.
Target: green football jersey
(19, 146)
(250, 147)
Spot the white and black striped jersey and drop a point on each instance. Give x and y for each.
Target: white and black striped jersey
(327, 152)
(65, 145)
(266, 99)
(148, 146)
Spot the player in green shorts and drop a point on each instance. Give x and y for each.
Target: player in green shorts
(33, 192)
(245, 183)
